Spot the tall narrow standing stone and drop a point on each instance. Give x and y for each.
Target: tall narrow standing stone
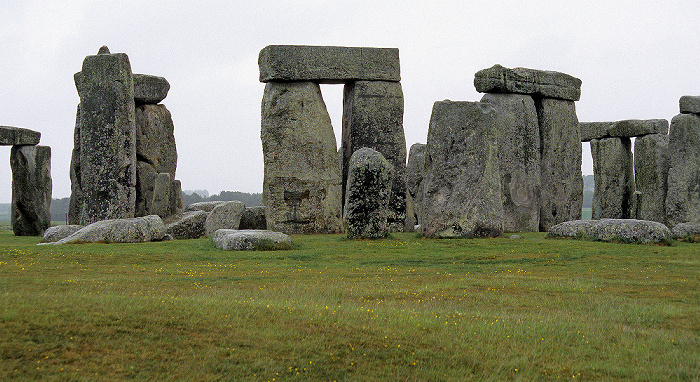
(683, 197)
(107, 137)
(462, 184)
(415, 170)
(301, 186)
(75, 205)
(614, 178)
(519, 157)
(31, 189)
(561, 197)
(162, 189)
(373, 118)
(651, 176)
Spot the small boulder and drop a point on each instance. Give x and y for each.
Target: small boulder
(226, 216)
(204, 206)
(250, 240)
(187, 225)
(572, 228)
(686, 229)
(59, 232)
(253, 218)
(622, 230)
(133, 230)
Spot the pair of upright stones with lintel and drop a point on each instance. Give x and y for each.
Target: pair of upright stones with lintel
(31, 180)
(661, 181)
(305, 175)
(124, 155)
(509, 162)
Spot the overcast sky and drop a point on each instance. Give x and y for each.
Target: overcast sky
(635, 58)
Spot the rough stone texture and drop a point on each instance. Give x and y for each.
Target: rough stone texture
(561, 195)
(176, 197)
(683, 195)
(59, 232)
(623, 230)
(462, 184)
(31, 189)
(250, 240)
(150, 89)
(11, 136)
(686, 229)
(519, 157)
(613, 171)
(226, 215)
(542, 83)
(328, 64)
(373, 118)
(651, 175)
(302, 182)
(186, 225)
(133, 230)
(162, 188)
(204, 206)
(415, 170)
(368, 193)
(622, 129)
(155, 139)
(75, 204)
(145, 182)
(689, 104)
(253, 218)
(107, 138)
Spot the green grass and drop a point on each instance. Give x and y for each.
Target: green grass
(403, 308)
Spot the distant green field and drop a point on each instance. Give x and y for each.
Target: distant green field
(403, 308)
(586, 214)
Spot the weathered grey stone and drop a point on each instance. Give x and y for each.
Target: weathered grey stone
(561, 195)
(689, 104)
(150, 89)
(613, 171)
(107, 138)
(462, 184)
(368, 193)
(155, 139)
(145, 182)
(204, 206)
(176, 197)
(253, 218)
(186, 225)
(31, 189)
(373, 118)
(651, 174)
(302, 182)
(59, 232)
(133, 230)
(328, 64)
(542, 83)
(11, 136)
(686, 229)
(622, 129)
(519, 157)
(162, 188)
(250, 240)
(622, 230)
(683, 193)
(226, 215)
(75, 205)
(415, 170)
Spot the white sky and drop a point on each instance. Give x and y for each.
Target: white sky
(635, 58)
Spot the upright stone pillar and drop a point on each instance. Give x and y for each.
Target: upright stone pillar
(519, 157)
(560, 147)
(415, 170)
(614, 178)
(31, 189)
(162, 189)
(683, 197)
(462, 183)
(107, 137)
(373, 118)
(651, 176)
(75, 205)
(302, 182)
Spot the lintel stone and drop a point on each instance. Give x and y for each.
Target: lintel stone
(328, 64)
(544, 83)
(14, 136)
(690, 104)
(628, 128)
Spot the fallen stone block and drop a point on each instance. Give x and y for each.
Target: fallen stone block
(226, 216)
(616, 230)
(133, 230)
(250, 240)
(686, 229)
(204, 206)
(542, 83)
(56, 233)
(187, 225)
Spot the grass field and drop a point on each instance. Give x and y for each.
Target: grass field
(403, 308)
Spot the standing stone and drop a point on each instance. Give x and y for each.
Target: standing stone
(155, 139)
(614, 178)
(75, 204)
(415, 170)
(367, 197)
(683, 196)
(373, 118)
(519, 157)
(145, 181)
(176, 197)
(561, 196)
(651, 176)
(107, 137)
(462, 184)
(31, 189)
(302, 182)
(162, 188)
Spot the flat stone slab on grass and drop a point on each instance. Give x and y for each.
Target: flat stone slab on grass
(59, 232)
(544, 83)
(14, 136)
(628, 128)
(250, 240)
(622, 230)
(686, 229)
(132, 230)
(328, 64)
